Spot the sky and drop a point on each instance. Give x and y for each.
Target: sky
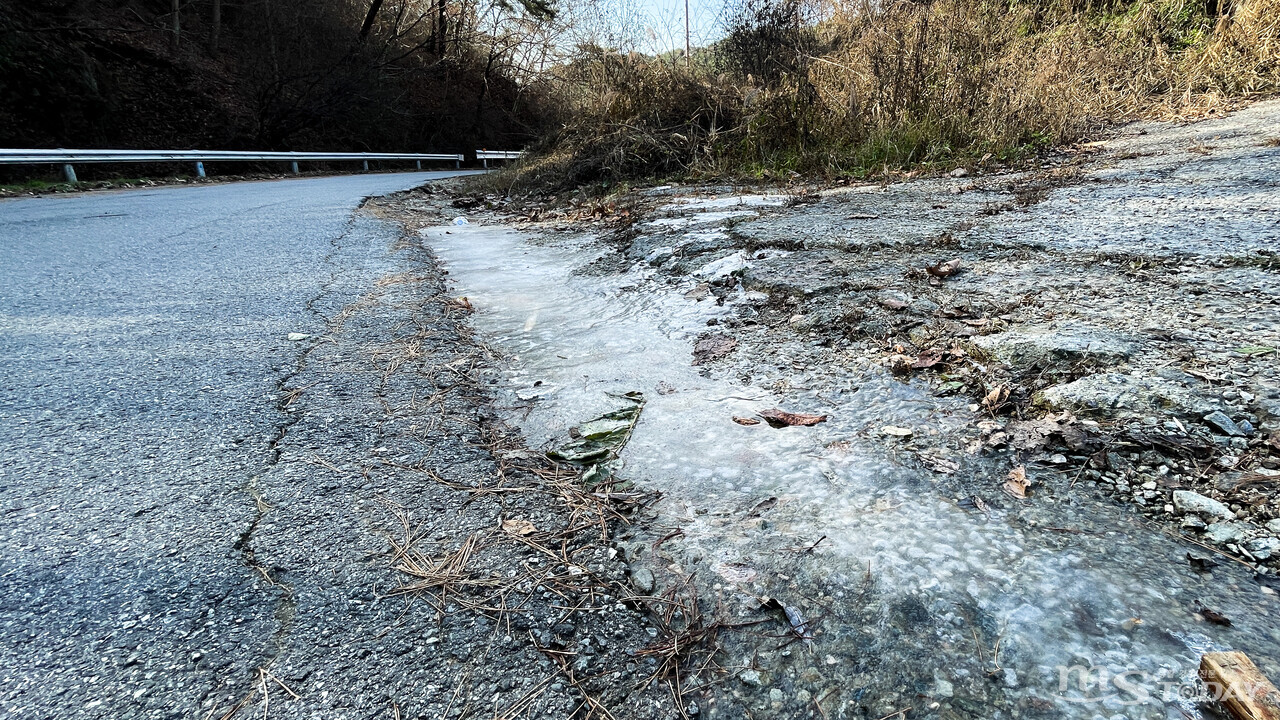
(653, 26)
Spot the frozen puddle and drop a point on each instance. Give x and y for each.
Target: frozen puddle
(917, 601)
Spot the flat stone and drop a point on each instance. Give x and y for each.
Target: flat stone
(1221, 533)
(1046, 346)
(1224, 424)
(1189, 502)
(1263, 548)
(1120, 395)
(1274, 525)
(642, 580)
(750, 678)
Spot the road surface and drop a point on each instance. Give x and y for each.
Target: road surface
(144, 351)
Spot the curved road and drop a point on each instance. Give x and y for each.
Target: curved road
(143, 349)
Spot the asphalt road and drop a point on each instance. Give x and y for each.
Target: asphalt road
(143, 353)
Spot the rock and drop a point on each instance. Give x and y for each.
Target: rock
(1222, 533)
(776, 696)
(1188, 502)
(660, 255)
(942, 688)
(1192, 522)
(1119, 395)
(750, 678)
(1225, 424)
(724, 267)
(1045, 346)
(959, 173)
(297, 337)
(1263, 548)
(1274, 525)
(642, 579)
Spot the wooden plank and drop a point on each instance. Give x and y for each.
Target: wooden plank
(1240, 686)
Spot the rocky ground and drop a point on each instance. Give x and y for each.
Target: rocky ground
(1096, 335)
(1112, 315)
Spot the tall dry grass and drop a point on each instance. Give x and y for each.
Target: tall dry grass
(856, 87)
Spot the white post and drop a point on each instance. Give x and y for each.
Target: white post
(419, 164)
(365, 164)
(69, 173)
(294, 167)
(199, 169)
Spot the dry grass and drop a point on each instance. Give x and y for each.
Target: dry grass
(855, 87)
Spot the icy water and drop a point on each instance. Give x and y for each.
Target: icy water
(917, 600)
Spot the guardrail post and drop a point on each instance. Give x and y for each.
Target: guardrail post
(199, 169)
(457, 163)
(294, 167)
(419, 164)
(69, 172)
(364, 164)
(486, 162)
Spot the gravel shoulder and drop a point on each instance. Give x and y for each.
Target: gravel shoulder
(1111, 315)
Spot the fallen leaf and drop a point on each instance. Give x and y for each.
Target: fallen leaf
(1016, 484)
(940, 464)
(927, 359)
(944, 270)
(1255, 350)
(762, 507)
(891, 304)
(996, 397)
(900, 364)
(745, 420)
(896, 431)
(1214, 616)
(712, 347)
(464, 303)
(1032, 434)
(518, 527)
(781, 418)
(799, 625)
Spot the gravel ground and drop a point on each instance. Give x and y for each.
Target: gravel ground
(1119, 303)
(1065, 376)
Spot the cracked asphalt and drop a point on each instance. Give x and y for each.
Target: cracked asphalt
(144, 359)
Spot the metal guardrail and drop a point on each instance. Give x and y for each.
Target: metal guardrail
(68, 158)
(486, 155)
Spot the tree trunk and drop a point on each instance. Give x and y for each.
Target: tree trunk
(374, 7)
(215, 26)
(177, 27)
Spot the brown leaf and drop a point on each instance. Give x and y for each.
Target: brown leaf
(518, 527)
(463, 303)
(712, 347)
(928, 359)
(1017, 483)
(1214, 616)
(781, 418)
(1274, 440)
(745, 420)
(892, 304)
(1032, 434)
(900, 364)
(996, 397)
(944, 270)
